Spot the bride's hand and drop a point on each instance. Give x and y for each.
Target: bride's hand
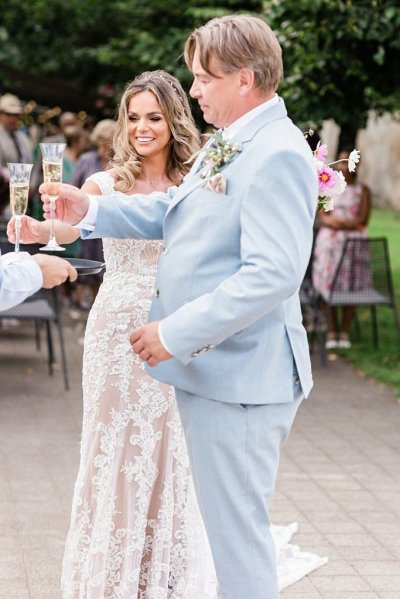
(32, 230)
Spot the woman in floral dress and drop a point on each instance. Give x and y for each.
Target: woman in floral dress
(348, 219)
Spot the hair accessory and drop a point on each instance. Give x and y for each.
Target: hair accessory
(161, 76)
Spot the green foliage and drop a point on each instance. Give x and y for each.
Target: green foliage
(96, 42)
(340, 57)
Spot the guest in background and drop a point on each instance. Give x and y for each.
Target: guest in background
(348, 219)
(65, 120)
(76, 139)
(15, 145)
(98, 158)
(91, 162)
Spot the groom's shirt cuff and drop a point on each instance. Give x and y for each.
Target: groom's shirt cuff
(89, 221)
(162, 339)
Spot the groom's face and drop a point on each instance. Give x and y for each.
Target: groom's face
(217, 94)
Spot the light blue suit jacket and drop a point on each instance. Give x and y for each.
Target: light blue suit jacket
(228, 278)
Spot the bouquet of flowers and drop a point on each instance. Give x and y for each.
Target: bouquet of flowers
(331, 183)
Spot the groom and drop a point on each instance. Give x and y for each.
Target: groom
(225, 325)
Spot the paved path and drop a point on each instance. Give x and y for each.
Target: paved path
(339, 476)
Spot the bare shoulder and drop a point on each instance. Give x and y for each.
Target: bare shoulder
(91, 187)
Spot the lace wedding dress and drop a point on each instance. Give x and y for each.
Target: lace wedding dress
(135, 532)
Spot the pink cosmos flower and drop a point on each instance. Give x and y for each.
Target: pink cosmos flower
(321, 152)
(327, 179)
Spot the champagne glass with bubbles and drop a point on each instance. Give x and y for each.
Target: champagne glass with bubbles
(52, 154)
(19, 191)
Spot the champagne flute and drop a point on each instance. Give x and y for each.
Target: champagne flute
(52, 154)
(19, 192)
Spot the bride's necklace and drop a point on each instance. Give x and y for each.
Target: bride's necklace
(159, 184)
(154, 184)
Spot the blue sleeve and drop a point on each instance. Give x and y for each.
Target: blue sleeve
(138, 216)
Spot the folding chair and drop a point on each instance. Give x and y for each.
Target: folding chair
(42, 307)
(363, 278)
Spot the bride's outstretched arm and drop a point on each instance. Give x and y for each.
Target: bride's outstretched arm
(35, 231)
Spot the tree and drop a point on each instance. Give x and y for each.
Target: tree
(97, 44)
(341, 59)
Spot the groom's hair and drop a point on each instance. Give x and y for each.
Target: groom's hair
(236, 42)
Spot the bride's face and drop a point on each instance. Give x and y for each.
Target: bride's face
(148, 130)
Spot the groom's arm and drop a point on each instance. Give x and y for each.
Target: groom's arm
(276, 236)
(137, 216)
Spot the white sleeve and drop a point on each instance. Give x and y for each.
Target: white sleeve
(160, 334)
(18, 280)
(89, 221)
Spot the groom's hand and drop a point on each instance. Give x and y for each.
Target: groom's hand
(146, 343)
(71, 206)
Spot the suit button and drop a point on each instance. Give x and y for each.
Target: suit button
(156, 293)
(165, 250)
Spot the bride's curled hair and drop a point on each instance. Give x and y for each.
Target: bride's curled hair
(126, 164)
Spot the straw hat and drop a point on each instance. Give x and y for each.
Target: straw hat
(10, 104)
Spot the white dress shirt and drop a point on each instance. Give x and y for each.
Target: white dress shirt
(18, 279)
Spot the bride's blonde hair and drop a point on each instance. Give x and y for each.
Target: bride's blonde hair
(184, 142)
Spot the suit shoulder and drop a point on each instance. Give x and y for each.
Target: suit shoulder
(280, 137)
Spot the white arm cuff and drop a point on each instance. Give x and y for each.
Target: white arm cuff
(89, 221)
(162, 338)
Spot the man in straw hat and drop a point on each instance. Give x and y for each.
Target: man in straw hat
(15, 145)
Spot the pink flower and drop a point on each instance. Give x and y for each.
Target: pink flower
(321, 152)
(327, 179)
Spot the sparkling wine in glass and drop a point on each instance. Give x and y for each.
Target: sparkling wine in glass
(52, 154)
(19, 192)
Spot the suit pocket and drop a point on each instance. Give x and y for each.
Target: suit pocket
(211, 199)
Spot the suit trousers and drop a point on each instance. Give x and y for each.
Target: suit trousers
(234, 454)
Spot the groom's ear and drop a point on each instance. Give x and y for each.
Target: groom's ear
(246, 81)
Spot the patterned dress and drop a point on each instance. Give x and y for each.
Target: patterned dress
(135, 532)
(329, 242)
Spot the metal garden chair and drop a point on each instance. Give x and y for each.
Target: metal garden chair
(363, 278)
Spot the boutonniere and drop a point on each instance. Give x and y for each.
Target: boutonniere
(217, 154)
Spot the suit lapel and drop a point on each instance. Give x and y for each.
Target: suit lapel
(189, 185)
(193, 180)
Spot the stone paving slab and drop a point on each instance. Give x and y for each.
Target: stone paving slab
(339, 476)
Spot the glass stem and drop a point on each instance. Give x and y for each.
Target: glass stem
(52, 211)
(17, 233)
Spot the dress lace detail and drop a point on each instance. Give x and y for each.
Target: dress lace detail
(136, 531)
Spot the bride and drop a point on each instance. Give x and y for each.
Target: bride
(135, 528)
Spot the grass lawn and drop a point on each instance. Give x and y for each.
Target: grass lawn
(382, 364)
